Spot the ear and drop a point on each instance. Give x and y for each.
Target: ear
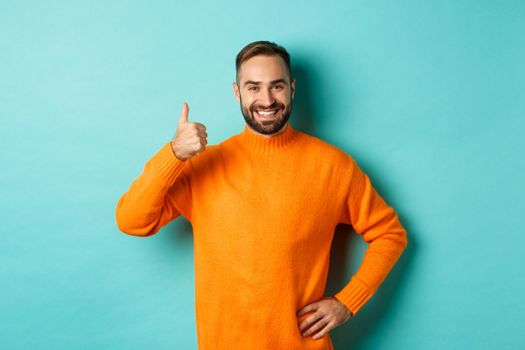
(236, 91)
(292, 87)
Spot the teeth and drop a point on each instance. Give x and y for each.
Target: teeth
(266, 113)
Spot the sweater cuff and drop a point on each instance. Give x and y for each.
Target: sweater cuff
(354, 295)
(166, 164)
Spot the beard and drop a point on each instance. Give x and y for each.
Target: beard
(267, 127)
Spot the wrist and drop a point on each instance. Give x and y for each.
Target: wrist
(175, 153)
(346, 307)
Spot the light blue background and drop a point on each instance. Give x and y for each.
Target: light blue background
(428, 96)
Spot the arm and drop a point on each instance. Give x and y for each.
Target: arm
(380, 228)
(163, 191)
(160, 194)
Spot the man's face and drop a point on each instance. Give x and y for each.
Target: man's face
(264, 86)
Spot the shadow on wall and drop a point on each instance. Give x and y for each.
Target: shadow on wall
(304, 108)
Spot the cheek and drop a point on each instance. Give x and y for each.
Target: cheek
(248, 107)
(249, 103)
(284, 96)
(285, 100)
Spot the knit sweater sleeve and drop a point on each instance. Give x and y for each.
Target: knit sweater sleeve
(160, 194)
(380, 228)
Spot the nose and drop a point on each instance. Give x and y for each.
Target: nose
(266, 98)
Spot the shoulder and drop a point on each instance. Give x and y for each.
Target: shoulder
(327, 151)
(331, 163)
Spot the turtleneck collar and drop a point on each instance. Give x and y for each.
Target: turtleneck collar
(262, 144)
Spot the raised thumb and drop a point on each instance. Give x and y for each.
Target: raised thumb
(184, 113)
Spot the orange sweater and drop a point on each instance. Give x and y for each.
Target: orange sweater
(263, 212)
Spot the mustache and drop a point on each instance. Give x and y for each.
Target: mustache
(274, 105)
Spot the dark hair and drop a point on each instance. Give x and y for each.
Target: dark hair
(266, 48)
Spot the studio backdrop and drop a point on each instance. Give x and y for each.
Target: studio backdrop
(427, 96)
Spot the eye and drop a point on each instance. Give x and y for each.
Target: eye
(278, 87)
(252, 88)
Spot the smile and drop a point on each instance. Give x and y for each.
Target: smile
(266, 114)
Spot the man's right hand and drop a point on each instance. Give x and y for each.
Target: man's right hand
(190, 138)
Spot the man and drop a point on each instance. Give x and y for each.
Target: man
(264, 205)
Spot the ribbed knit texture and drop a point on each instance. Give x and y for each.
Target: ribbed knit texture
(263, 212)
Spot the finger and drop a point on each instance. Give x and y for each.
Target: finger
(307, 308)
(184, 113)
(315, 327)
(310, 321)
(199, 126)
(323, 331)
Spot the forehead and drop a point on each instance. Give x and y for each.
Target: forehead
(263, 68)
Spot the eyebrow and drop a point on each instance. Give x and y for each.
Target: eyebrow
(273, 82)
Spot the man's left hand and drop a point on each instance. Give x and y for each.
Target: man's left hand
(328, 313)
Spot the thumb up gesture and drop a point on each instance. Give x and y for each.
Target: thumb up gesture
(190, 138)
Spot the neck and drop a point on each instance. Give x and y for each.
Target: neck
(269, 144)
(267, 135)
